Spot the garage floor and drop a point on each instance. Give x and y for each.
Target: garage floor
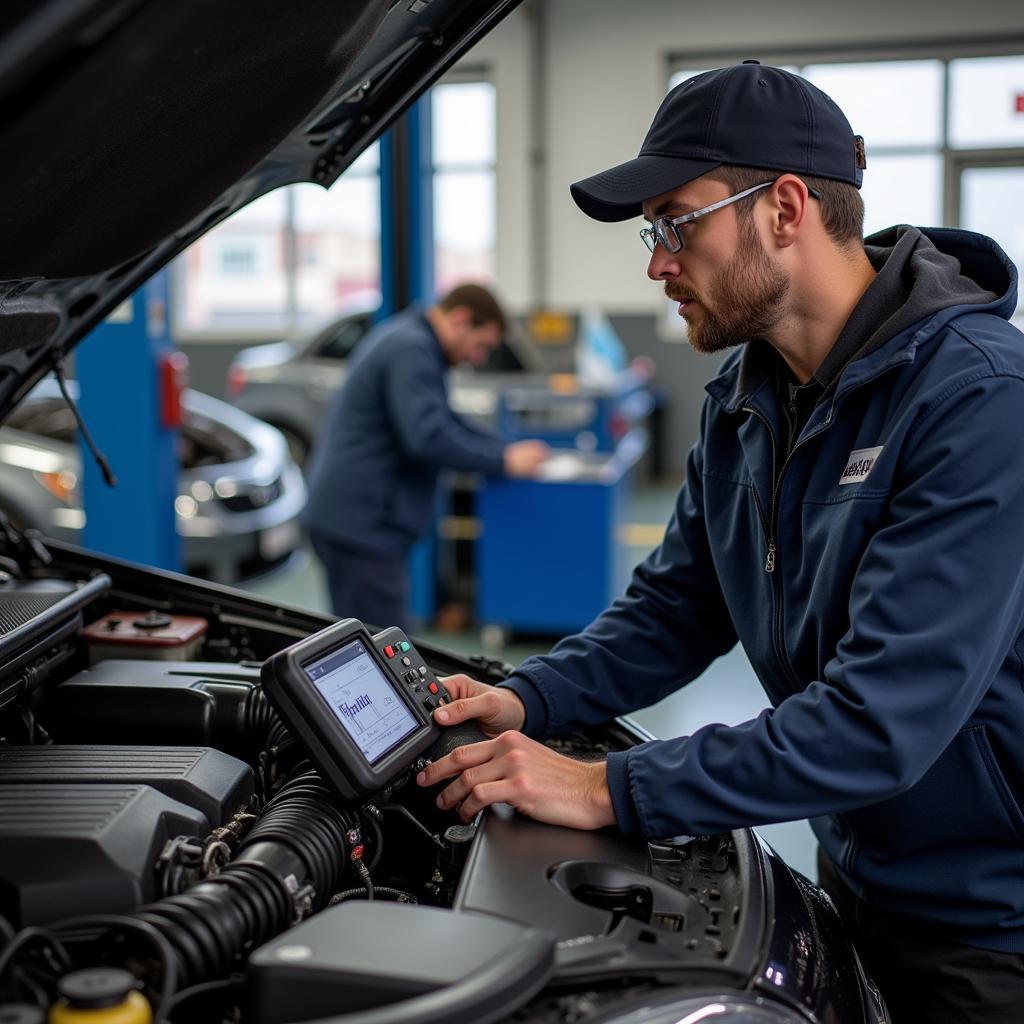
(727, 692)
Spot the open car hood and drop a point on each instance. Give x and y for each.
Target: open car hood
(129, 128)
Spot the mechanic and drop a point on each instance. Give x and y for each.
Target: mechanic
(387, 433)
(852, 514)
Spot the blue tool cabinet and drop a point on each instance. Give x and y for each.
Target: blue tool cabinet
(548, 558)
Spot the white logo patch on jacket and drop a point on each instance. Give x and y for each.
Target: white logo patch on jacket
(860, 464)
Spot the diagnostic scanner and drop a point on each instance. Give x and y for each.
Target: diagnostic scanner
(360, 704)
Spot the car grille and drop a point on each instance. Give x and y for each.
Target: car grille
(253, 497)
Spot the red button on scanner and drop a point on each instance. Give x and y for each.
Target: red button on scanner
(432, 687)
(390, 651)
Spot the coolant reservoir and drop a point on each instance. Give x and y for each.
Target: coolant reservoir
(153, 634)
(100, 996)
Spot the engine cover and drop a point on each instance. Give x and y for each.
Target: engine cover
(82, 828)
(83, 849)
(208, 780)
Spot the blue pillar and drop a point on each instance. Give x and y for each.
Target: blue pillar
(407, 271)
(119, 369)
(407, 211)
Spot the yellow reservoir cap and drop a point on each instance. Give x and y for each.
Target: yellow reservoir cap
(135, 1009)
(100, 995)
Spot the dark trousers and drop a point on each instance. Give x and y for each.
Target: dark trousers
(925, 977)
(365, 586)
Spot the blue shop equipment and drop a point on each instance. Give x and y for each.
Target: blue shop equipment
(548, 558)
(561, 412)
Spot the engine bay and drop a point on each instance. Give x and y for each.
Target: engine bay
(164, 835)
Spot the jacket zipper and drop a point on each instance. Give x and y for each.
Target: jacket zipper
(768, 524)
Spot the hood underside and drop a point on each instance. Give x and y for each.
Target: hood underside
(130, 128)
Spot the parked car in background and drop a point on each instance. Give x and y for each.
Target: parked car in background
(289, 383)
(239, 496)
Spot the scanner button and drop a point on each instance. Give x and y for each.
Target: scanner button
(404, 646)
(432, 687)
(390, 651)
(407, 662)
(423, 670)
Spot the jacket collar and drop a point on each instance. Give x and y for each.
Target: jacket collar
(745, 373)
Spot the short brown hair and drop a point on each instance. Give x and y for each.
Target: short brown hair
(483, 307)
(842, 208)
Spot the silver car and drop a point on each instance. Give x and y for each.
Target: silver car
(289, 383)
(239, 495)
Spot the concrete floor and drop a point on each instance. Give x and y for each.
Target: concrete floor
(728, 692)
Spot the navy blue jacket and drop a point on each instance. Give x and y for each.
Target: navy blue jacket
(387, 432)
(888, 635)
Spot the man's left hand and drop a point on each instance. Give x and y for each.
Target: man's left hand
(536, 781)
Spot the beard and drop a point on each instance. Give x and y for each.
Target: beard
(743, 300)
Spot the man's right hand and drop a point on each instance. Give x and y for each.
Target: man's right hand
(523, 457)
(495, 708)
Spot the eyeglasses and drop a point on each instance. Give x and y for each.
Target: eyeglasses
(666, 229)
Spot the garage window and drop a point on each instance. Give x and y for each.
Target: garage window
(289, 260)
(464, 154)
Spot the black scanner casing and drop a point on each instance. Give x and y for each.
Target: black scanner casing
(306, 713)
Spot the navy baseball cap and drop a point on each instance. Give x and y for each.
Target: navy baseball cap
(749, 114)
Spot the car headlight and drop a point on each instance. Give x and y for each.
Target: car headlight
(712, 1009)
(63, 485)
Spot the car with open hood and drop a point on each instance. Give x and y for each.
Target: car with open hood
(177, 840)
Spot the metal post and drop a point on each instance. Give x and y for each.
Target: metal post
(407, 211)
(119, 374)
(407, 270)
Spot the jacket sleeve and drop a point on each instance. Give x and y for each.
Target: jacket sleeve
(669, 626)
(425, 425)
(935, 607)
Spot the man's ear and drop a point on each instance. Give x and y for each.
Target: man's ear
(789, 202)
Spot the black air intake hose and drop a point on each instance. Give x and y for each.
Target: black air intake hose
(208, 926)
(295, 854)
(261, 725)
(303, 818)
